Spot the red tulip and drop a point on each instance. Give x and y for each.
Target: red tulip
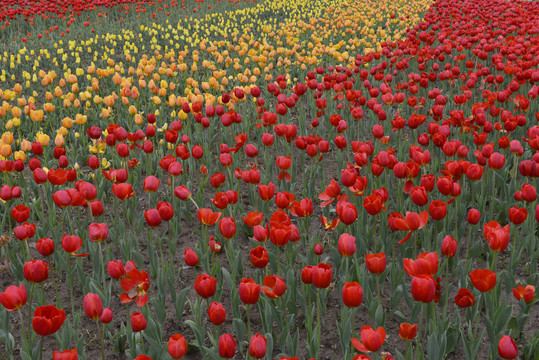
(423, 288)
(65, 355)
(177, 346)
(529, 193)
(151, 184)
(483, 280)
(371, 340)
(71, 244)
(207, 216)
(227, 227)
(122, 190)
(165, 210)
(449, 246)
(24, 231)
(517, 215)
(93, 307)
(97, 208)
(182, 192)
(464, 298)
(36, 271)
(321, 277)
(47, 320)
(473, 216)
(411, 222)
(302, 208)
(496, 235)
(20, 213)
(496, 161)
(407, 331)
(307, 274)
(205, 285)
(258, 346)
(347, 245)
(419, 196)
(373, 204)
(152, 217)
(507, 348)
(266, 192)
(438, 209)
(138, 321)
(274, 286)
(106, 316)
(253, 218)
(135, 284)
(259, 257)
(98, 232)
(375, 263)
(426, 264)
(14, 297)
(527, 293)
(216, 313)
(227, 346)
(115, 269)
(249, 291)
(190, 257)
(352, 294)
(346, 212)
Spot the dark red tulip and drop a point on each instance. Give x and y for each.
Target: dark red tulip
(116, 269)
(205, 285)
(216, 313)
(449, 246)
(507, 348)
(227, 346)
(438, 209)
(138, 321)
(165, 210)
(259, 257)
(14, 297)
(249, 291)
(407, 331)
(321, 277)
(352, 294)
(190, 257)
(517, 215)
(371, 340)
(36, 271)
(423, 288)
(177, 346)
(93, 307)
(258, 346)
(20, 213)
(483, 280)
(464, 298)
(47, 320)
(375, 263)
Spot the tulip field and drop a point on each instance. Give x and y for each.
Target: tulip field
(269, 179)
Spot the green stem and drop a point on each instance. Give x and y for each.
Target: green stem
(41, 348)
(23, 333)
(419, 328)
(318, 324)
(101, 334)
(30, 308)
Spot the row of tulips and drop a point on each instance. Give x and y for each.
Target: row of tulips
(394, 208)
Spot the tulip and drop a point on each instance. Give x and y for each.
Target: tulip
(190, 257)
(249, 291)
(259, 257)
(151, 184)
(115, 269)
(483, 280)
(527, 293)
(426, 263)
(207, 216)
(375, 263)
(464, 298)
(507, 348)
(473, 216)
(274, 286)
(321, 276)
(98, 232)
(136, 283)
(71, 244)
(106, 316)
(346, 245)
(496, 235)
(257, 346)
(65, 355)
(227, 227)
(205, 285)
(93, 307)
(407, 331)
(449, 246)
(47, 320)
(227, 346)
(20, 213)
(371, 340)
(352, 294)
(216, 313)
(423, 288)
(138, 321)
(177, 346)
(14, 297)
(36, 271)
(165, 210)
(438, 209)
